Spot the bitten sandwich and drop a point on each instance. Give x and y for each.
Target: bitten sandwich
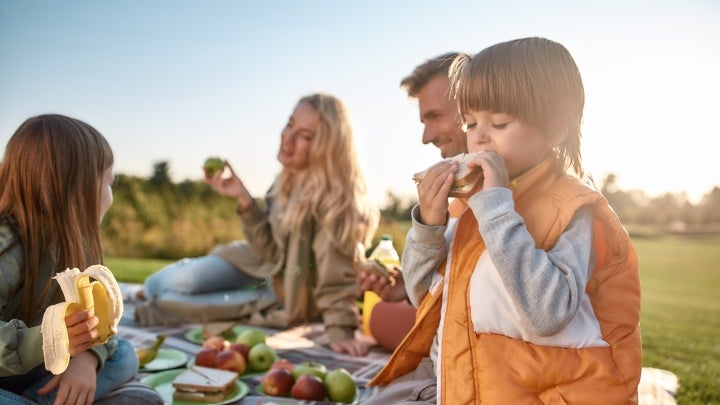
(204, 384)
(465, 178)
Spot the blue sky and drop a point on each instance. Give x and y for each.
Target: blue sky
(181, 80)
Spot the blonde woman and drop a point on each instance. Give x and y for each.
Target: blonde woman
(315, 222)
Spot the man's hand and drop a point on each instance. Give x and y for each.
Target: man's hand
(382, 286)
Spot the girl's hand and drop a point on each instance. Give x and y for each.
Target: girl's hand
(230, 186)
(352, 347)
(433, 192)
(81, 331)
(495, 173)
(76, 386)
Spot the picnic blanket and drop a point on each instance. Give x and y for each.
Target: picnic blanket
(308, 342)
(302, 343)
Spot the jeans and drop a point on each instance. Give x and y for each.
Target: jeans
(120, 367)
(202, 280)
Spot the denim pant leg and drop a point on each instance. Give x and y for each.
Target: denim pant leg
(9, 398)
(119, 368)
(40, 377)
(200, 275)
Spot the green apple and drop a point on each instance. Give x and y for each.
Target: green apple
(261, 357)
(309, 367)
(251, 337)
(340, 386)
(213, 165)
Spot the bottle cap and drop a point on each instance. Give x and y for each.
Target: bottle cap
(386, 237)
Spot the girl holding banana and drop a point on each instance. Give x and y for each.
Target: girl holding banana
(55, 186)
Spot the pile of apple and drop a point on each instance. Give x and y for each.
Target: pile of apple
(248, 352)
(308, 381)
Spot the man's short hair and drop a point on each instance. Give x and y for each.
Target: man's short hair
(424, 72)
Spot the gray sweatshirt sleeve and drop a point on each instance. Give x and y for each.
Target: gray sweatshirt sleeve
(546, 287)
(425, 248)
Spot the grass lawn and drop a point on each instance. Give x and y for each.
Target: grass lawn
(680, 318)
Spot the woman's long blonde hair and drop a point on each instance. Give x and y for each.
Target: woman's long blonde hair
(332, 189)
(50, 180)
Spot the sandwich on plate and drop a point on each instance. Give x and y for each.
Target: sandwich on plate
(204, 384)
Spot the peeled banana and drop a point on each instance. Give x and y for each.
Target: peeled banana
(102, 296)
(147, 354)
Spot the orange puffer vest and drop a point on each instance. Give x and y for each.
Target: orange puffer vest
(495, 369)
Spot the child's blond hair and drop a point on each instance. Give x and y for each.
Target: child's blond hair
(533, 79)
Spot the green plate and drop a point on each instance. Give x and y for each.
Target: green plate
(162, 383)
(165, 360)
(195, 334)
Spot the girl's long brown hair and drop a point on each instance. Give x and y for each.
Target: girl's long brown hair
(50, 181)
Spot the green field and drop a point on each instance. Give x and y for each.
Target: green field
(680, 317)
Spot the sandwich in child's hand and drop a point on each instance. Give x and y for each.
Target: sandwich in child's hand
(204, 384)
(465, 178)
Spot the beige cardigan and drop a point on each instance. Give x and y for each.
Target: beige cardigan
(313, 278)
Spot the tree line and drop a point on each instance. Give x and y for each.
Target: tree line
(157, 218)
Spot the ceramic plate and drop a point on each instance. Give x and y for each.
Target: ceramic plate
(195, 334)
(165, 360)
(162, 382)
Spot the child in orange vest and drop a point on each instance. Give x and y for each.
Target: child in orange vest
(533, 295)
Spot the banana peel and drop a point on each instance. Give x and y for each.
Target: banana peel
(147, 354)
(103, 296)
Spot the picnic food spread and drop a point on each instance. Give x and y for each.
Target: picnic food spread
(102, 296)
(308, 381)
(247, 352)
(465, 178)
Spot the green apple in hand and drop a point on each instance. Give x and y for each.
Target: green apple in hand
(213, 165)
(340, 386)
(261, 357)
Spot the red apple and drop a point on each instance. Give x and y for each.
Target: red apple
(215, 342)
(240, 348)
(230, 360)
(284, 364)
(277, 382)
(206, 357)
(309, 387)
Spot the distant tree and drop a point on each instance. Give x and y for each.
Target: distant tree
(161, 174)
(710, 206)
(397, 208)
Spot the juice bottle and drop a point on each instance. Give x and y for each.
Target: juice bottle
(386, 254)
